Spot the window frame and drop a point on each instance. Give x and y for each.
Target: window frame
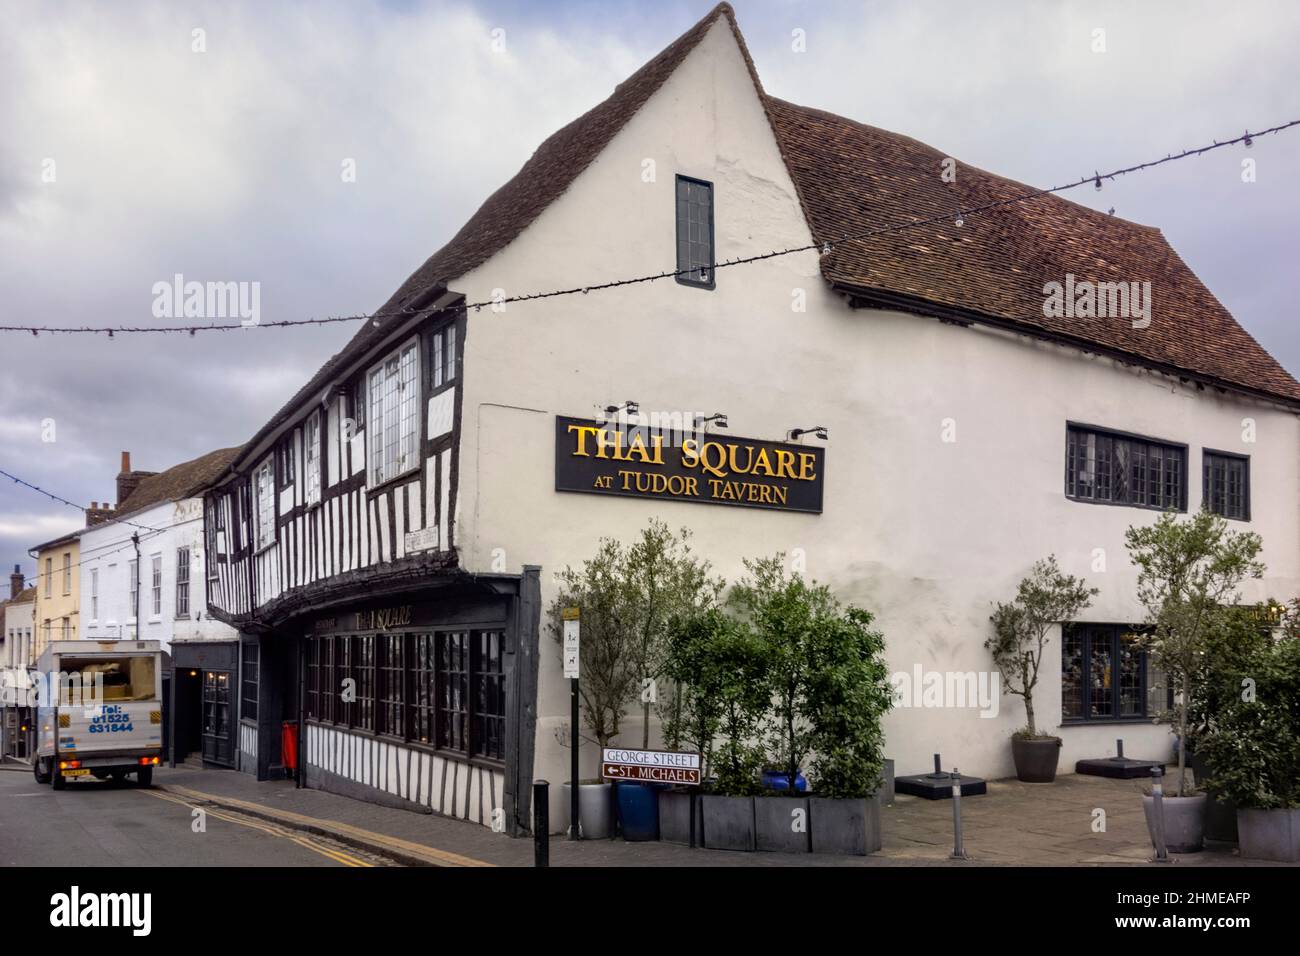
(419, 684)
(67, 573)
(1116, 632)
(244, 682)
(1113, 433)
(682, 276)
(1210, 453)
(49, 578)
(375, 432)
(182, 582)
(444, 364)
(285, 465)
(94, 594)
(264, 529)
(133, 589)
(313, 453)
(155, 583)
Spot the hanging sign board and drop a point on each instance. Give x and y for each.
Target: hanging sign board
(571, 653)
(648, 461)
(659, 766)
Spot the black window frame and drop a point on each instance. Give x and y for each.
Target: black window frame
(1207, 498)
(416, 691)
(248, 706)
(285, 470)
(1087, 631)
(1133, 440)
(684, 268)
(443, 341)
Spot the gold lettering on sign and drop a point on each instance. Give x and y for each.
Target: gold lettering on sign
(384, 619)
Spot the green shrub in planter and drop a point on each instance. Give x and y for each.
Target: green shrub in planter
(1252, 744)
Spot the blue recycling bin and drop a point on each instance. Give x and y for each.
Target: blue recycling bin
(638, 810)
(780, 780)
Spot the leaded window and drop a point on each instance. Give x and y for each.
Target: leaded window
(1226, 489)
(393, 437)
(1104, 673)
(1111, 468)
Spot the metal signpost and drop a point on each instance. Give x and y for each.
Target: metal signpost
(572, 656)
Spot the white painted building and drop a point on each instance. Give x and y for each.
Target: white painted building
(17, 657)
(970, 432)
(144, 576)
(165, 569)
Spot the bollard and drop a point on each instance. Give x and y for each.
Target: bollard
(958, 851)
(541, 823)
(1158, 814)
(1119, 749)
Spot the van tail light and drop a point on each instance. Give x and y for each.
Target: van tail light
(148, 761)
(69, 764)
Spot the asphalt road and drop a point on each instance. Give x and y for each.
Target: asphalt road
(97, 823)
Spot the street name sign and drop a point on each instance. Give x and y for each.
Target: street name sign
(657, 766)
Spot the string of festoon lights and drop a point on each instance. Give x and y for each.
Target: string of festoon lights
(825, 245)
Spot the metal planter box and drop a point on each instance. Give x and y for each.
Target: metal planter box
(675, 818)
(728, 822)
(1269, 834)
(849, 826)
(781, 824)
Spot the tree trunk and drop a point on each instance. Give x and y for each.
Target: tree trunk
(1029, 714)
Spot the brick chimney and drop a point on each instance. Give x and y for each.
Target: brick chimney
(127, 480)
(97, 515)
(15, 581)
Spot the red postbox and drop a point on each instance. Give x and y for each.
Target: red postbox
(289, 744)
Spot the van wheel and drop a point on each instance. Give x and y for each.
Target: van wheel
(146, 776)
(56, 779)
(40, 771)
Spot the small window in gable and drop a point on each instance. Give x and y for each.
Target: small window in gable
(694, 232)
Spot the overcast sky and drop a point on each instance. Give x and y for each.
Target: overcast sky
(225, 165)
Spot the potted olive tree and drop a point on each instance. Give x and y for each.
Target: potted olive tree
(1021, 628)
(1251, 743)
(1189, 573)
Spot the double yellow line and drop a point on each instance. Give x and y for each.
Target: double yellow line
(338, 856)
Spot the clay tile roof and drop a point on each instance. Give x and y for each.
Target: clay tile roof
(182, 481)
(852, 177)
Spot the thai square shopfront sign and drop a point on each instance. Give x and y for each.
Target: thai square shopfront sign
(639, 461)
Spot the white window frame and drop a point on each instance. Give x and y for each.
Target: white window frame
(379, 468)
(264, 504)
(182, 582)
(133, 588)
(49, 578)
(311, 439)
(155, 584)
(67, 572)
(94, 594)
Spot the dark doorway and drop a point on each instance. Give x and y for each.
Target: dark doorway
(189, 712)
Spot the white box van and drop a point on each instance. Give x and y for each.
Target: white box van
(99, 711)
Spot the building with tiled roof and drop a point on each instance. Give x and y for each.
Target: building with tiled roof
(928, 413)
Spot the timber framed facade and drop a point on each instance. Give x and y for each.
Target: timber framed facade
(370, 661)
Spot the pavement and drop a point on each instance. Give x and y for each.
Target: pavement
(1076, 821)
